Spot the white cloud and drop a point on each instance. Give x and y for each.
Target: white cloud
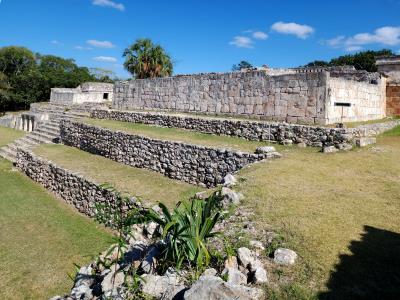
(301, 31)
(100, 44)
(259, 35)
(353, 48)
(388, 36)
(385, 35)
(105, 59)
(109, 3)
(55, 42)
(82, 48)
(242, 42)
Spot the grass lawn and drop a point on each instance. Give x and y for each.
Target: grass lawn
(177, 134)
(41, 237)
(340, 212)
(7, 135)
(149, 185)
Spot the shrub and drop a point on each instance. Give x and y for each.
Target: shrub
(186, 230)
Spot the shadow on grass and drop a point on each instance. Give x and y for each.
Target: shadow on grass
(371, 272)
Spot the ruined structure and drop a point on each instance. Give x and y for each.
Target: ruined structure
(390, 66)
(313, 96)
(86, 92)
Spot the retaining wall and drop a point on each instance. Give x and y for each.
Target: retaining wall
(72, 187)
(191, 163)
(250, 130)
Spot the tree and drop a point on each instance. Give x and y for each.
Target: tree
(364, 60)
(318, 63)
(242, 65)
(26, 77)
(16, 60)
(4, 94)
(143, 59)
(102, 75)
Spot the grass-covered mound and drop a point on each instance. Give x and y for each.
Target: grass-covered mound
(325, 206)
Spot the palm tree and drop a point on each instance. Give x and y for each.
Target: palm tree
(143, 59)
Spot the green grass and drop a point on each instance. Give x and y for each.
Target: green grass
(355, 124)
(182, 135)
(7, 135)
(40, 239)
(320, 203)
(149, 185)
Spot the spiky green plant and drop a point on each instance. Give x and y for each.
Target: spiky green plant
(186, 230)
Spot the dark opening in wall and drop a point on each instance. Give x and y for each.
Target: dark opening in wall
(342, 104)
(105, 96)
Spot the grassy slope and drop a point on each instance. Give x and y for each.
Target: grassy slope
(40, 238)
(151, 186)
(321, 204)
(176, 134)
(7, 135)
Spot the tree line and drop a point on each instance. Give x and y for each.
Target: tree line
(27, 77)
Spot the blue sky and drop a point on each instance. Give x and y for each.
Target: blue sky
(202, 35)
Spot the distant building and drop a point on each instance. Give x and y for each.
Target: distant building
(86, 92)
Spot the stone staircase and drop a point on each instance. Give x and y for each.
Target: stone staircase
(46, 132)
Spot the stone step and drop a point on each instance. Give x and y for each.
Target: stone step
(37, 139)
(51, 127)
(4, 155)
(8, 153)
(44, 136)
(49, 131)
(24, 142)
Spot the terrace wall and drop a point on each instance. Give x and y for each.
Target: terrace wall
(191, 163)
(72, 187)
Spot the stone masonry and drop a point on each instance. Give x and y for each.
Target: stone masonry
(191, 163)
(249, 130)
(309, 97)
(73, 188)
(393, 99)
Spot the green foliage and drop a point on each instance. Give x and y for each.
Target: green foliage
(364, 60)
(16, 60)
(186, 231)
(143, 59)
(242, 65)
(29, 77)
(275, 244)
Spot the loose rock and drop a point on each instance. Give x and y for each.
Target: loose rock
(285, 256)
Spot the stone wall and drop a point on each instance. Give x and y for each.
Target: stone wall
(351, 101)
(250, 130)
(72, 187)
(393, 99)
(191, 163)
(301, 97)
(291, 97)
(87, 92)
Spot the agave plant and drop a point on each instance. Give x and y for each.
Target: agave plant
(186, 231)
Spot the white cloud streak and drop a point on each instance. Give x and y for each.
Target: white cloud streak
(387, 36)
(299, 30)
(100, 44)
(82, 48)
(109, 3)
(105, 59)
(259, 35)
(242, 42)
